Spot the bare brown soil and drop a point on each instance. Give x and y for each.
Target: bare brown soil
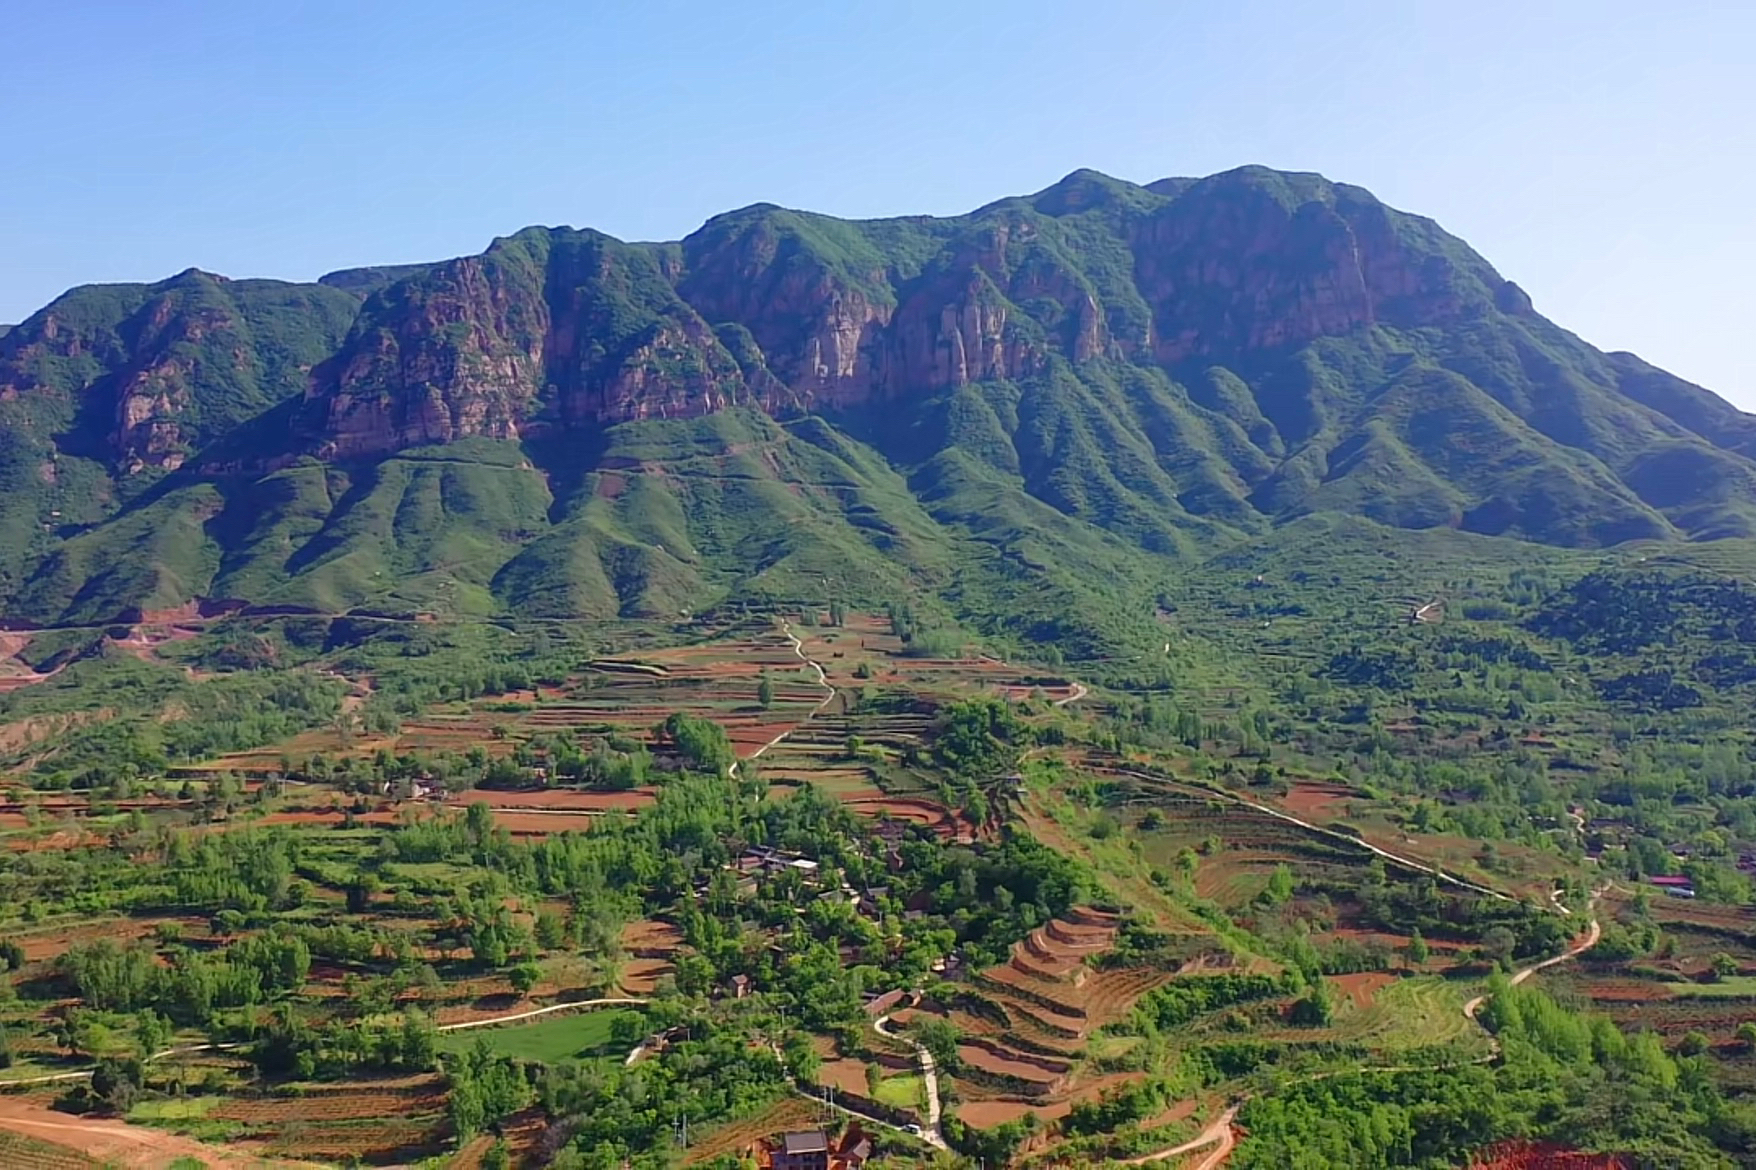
(114, 1143)
(1362, 987)
(557, 800)
(742, 1136)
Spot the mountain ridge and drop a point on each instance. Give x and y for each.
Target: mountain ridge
(1098, 374)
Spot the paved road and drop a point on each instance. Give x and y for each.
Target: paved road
(929, 1075)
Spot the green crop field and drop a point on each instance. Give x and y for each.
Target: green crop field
(556, 1037)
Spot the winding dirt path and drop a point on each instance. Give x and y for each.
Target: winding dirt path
(1592, 934)
(1222, 1132)
(1218, 1131)
(1076, 691)
(822, 680)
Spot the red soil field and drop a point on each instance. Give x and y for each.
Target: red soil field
(1524, 1153)
(916, 809)
(1317, 800)
(1673, 910)
(521, 1132)
(746, 738)
(641, 977)
(653, 934)
(389, 1139)
(847, 1074)
(1017, 692)
(113, 1143)
(47, 944)
(538, 824)
(408, 1098)
(1361, 987)
(987, 1112)
(22, 1151)
(59, 840)
(1110, 996)
(324, 817)
(986, 1055)
(1636, 991)
(787, 1114)
(577, 800)
(649, 944)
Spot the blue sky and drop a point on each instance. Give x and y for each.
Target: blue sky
(1600, 154)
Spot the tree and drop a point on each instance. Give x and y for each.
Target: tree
(1747, 1035)
(360, 892)
(117, 1083)
(551, 930)
(1316, 1009)
(1417, 950)
(765, 692)
(524, 977)
(1498, 942)
(152, 1032)
(939, 1037)
(627, 1028)
(1280, 886)
(1722, 967)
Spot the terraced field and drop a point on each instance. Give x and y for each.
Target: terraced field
(741, 1137)
(1026, 1023)
(35, 1154)
(650, 945)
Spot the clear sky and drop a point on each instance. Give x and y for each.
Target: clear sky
(1602, 154)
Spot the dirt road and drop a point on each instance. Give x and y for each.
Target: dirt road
(1075, 692)
(1592, 934)
(114, 1143)
(1218, 1131)
(822, 679)
(1324, 830)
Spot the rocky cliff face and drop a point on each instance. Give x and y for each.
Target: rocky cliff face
(140, 376)
(1162, 365)
(798, 312)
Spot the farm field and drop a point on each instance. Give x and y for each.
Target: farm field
(736, 1138)
(484, 856)
(35, 1154)
(556, 1037)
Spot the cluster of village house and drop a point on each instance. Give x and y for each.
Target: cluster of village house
(758, 862)
(813, 1150)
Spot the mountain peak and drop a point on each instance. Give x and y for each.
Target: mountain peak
(1084, 189)
(1095, 367)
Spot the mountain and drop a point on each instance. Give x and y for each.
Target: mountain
(1027, 413)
